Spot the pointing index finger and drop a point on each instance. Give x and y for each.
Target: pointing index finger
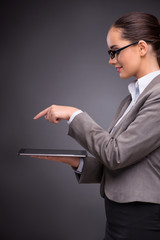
(41, 114)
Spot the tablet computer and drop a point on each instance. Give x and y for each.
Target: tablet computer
(52, 152)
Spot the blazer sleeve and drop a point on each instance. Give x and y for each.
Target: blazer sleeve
(136, 136)
(92, 171)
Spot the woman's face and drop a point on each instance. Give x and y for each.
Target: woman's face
(128, 61)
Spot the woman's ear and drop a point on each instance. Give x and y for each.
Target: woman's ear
(143, 48)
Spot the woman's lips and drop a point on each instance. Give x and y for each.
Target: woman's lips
(118, 69)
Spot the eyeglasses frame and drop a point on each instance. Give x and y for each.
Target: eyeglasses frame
(112, 53)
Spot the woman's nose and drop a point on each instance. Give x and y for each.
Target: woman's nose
(112, 61)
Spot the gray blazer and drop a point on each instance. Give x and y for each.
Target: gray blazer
(127, 161)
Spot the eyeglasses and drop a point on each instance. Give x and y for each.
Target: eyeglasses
(112, 53)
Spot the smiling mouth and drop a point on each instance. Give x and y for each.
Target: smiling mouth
(118, 69)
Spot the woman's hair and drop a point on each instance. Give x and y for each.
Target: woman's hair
(137, 26)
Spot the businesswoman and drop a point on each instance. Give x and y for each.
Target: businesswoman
(126, 157)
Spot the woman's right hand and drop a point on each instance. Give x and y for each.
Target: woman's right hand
(72, 161)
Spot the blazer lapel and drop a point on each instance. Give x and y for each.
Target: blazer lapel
(123, 106)
(131, 114)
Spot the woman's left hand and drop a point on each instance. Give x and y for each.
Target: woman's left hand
(56, 113)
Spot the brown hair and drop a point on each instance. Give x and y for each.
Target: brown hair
(140, 26)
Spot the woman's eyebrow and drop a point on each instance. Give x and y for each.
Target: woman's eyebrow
(113, 46)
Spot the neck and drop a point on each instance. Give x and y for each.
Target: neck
(151, 65)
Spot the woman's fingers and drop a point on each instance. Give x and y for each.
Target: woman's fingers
(41, 114)
(55, 113)
(72, 161)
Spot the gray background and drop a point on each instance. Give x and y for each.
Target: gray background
(54, 52)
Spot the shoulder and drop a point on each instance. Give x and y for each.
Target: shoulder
(154, 87)
(151, 92)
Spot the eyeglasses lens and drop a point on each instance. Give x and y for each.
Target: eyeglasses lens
(112, 54)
